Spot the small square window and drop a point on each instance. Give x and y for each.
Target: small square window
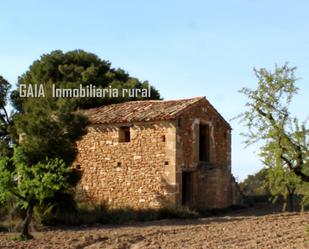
(124, 134)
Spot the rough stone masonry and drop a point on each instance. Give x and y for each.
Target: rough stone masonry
(153, 153)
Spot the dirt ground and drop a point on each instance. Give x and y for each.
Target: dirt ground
(237, 230)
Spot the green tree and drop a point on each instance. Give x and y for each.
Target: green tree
(36, 167)
(32, 185)
(270, 122)
(77, 67)
(6, 125)
(256, 184)
(39, 169)
(283, 182)
(48, 129)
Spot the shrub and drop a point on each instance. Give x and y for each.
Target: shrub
(86, 214)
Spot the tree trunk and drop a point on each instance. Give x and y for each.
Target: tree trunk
(25, 226)
(290, 202)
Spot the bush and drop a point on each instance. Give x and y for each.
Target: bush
(102, 214)
(91, 214)
(11, 216)
(251, 200)
(177, 213)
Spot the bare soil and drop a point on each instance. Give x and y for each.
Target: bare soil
(237, 230)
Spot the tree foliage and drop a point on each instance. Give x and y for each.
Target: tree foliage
(282, 182)
(40, 167)
(77, 67)
(35, 164)
(49, 128)
(256, 184)
(6, 126)
(32, 185)
(285, 183)
(269, 120)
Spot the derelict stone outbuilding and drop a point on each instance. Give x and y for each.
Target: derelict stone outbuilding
(153, 153)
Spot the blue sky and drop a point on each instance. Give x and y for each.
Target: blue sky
(184, 48)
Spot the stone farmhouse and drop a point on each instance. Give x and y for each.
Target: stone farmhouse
(152, 153)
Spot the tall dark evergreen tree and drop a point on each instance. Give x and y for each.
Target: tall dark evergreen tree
(38, 169)
(75, 68)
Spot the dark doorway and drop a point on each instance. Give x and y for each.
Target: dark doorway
(186, 187)
(204, 143)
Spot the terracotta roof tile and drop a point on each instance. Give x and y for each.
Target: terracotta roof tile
(139, 111)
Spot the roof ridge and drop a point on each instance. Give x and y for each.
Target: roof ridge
(149, 101)
(162, 100)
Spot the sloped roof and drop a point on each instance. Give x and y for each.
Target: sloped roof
(139, 111)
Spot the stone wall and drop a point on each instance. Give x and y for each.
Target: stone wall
(188, 137)
(148, 170)
(139, 173)
(213, 186)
